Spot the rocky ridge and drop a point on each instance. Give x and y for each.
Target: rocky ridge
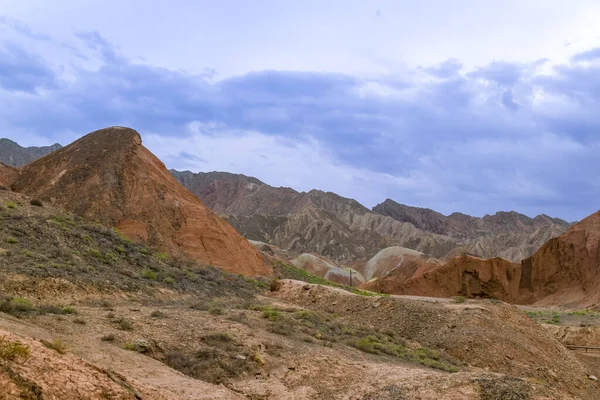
(345, 231)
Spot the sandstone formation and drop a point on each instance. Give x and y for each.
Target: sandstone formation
(566, 270)
(467, 276)
(16, 156)
(109, 176)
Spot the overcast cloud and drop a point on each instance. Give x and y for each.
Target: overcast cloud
(453, 111)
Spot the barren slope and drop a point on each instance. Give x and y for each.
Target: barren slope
(7, 175)
(109, 176)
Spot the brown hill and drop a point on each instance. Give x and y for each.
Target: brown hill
(109, 176)
(566, 270)
(7, 175)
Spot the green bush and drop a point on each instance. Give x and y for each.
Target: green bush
(9, 350)
(459, 299)
(149, 274)
(12, 240)
(11, 205)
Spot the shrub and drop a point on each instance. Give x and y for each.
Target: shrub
(11, 205)
(161, 256)
(36, 202)
(12, 240)
(16, 306)
(459, 299)
(169, 280)
(9, 351)
(79, 321)
(69, 310)
(158, 314)
(275, 285)
(272, 315)
(149, 274)
(56, 345)
(216, 310)
(108, 338)
(125, 325)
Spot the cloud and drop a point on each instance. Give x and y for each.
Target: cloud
(497, 137)
(589, 55)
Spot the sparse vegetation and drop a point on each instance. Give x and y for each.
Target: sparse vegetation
(158, 314)
(459, 299)
(56, 345)
(11, 205)
(161, 256)
(109, 337)
(12, 240)
(149, 274)
(125, 324)
(11, 350)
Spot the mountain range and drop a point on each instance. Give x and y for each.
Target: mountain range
(345, 231)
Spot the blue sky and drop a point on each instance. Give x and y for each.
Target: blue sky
(470, 106)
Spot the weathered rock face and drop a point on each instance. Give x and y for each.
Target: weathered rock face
(345, 231)
(16, 156)
(7, 175)
(509, 235)
(315, 221)
(109, 176)
(466, 275)
(566, 270)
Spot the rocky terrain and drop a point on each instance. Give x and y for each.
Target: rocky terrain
(564, 271)
(508, 235)
(108, 176)
(16, 156)
(345, 231)
(122, 321)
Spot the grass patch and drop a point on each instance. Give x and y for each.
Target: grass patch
(162, 256)
(459, 299)
(9, 350)
(11, 205)
(149, 274)
(12, 240)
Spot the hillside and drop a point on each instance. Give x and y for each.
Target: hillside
(122, 322)
(110, 177)
(345, 231)
(16, 156)
(7, 175)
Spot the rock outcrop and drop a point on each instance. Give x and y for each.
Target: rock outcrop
(467, 276)
(16, 156)
(566, 270)
(109, 176)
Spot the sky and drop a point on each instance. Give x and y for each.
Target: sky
(472, 106)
